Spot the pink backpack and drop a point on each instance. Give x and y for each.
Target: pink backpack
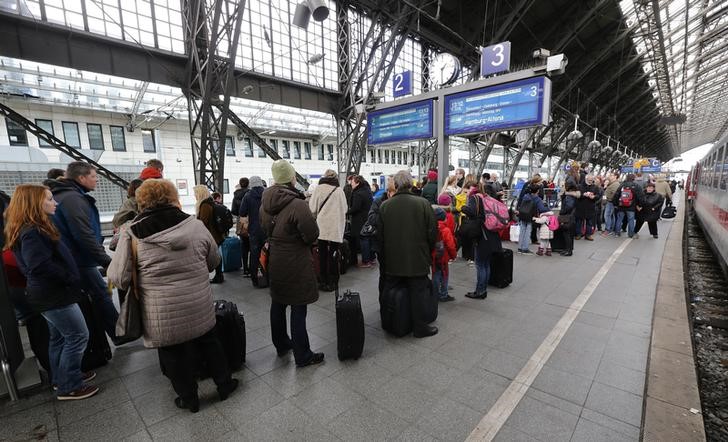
(496, 213)
(553, 223)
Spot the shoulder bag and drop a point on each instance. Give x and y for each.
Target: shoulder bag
(129, 325)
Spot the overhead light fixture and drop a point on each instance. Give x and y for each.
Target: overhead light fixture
(594, 144)
(306, 9)
(576, 133)
(247, 89)
(267, 38)
(315, 58)
(608, 149)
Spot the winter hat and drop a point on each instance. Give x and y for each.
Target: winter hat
(283, 172)
(440, 214)
(444, 199)
(431, 176)
(150, 172)
(255, 181)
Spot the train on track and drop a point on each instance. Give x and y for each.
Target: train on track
(707, 193)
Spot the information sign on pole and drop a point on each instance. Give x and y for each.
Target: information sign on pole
(406, 122)
(515, 105)
(402, 84)
(495, 58)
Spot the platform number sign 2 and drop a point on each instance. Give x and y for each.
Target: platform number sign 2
(402, 84)
(495, 58)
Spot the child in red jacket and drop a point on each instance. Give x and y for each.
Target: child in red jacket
(445, 250)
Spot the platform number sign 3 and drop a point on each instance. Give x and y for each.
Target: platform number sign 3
(495, 58)
(402, 84)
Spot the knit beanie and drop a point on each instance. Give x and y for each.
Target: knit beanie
(283, 172)
(431, 176)
(150, 172)
(255, 181)
(440, 214)
(444, 199)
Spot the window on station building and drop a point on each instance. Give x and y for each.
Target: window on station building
(261, 152)
(16, 133)
(306, 151)
(225, 186)
(46, 125)
(286, 149)
(148, 140)
(70, 134)
(95, 136)
(399, 157)
(321, 153)
(379, 156)
(248, 146)
(331, 152)
(723, 183)
(229, 146)
(371, 155)
(296, 150)
(386, 157)
(118, 142)
(273, 145)
(405, 155)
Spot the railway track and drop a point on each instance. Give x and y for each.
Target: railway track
(707, 291)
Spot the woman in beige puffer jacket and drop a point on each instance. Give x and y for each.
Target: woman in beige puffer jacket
(174, 255)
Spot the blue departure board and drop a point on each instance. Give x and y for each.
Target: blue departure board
(400, 123)
(515, 105)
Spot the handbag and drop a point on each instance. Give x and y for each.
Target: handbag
(470, 228)
(117, 234)
(129, 325)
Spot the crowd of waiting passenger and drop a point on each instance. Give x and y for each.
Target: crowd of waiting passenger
(295, 244)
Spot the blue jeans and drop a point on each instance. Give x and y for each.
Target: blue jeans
(299, 336)
(609, 216)
(439, 283)
(580, 226)
(366, 249)
(524, 236)
(93, 283)
(68, 339)
(482, 264)
(630, 222)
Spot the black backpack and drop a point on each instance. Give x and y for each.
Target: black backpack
(222, 218)
(526, 209)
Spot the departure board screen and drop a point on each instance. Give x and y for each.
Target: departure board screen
(515, 105)
(400, 123)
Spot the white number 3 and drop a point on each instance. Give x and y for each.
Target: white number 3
(498, 49)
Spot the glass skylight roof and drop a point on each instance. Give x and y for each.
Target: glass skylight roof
(694, 34)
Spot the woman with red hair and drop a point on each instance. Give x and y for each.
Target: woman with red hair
(52, 287)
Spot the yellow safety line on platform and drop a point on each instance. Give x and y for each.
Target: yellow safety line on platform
(492, 422)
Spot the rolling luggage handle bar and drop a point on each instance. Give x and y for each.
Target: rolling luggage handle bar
(7, 371)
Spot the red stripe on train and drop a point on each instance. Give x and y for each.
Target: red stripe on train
(717, 212)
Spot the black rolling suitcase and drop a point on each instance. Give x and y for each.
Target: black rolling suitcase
(669, 212)
(98, 350)
(501, 268)
(230, 326)
(344, 257)
(394, 309)
(349, 325)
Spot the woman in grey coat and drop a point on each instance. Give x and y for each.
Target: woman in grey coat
(174, 255)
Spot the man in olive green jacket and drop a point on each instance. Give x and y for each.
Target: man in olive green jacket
(408, 232)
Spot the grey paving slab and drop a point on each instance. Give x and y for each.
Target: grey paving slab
(325, 400)
(434, 375)
(250, 401)
(588, 431)
(208, 425)
(621, 377)
(29, 423)
(595, 320)
(415, 434)
(502, 363)
(138, 360)
(363, 377)
(145, 380)
(510, 434)
(615, 403)
(366, 422)
(139, 436)
(114, 423)
(26, 402)
(542, 421)
(157, 405)
(112, 393)
(478, 389)
(405, 398)
(636, 360)
(264, 360)
(633, 328)
(584, 364)
(554, 401)
(449, 420)
(630, 431)
(567, 386)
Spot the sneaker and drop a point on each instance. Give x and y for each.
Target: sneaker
(577, 237)
(605, 233)
(548, 252)
(654, 236)
(86, 391)
(448, 298)
(317, 358)
(526, 252)
(471, 263)
(85, 378)
(539, 252)
(589, 238)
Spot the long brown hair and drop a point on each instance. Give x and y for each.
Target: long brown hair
(26, 209)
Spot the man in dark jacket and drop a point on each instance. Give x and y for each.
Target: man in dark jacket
(626, 199)
(250, 207)
(77, 219)
(408, 232)
(245, 250)
(292, 230)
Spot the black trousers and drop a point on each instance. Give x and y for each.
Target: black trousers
(652, 225)
(181, 363)
(328, 261)
(418, 289)
(468, 248)
(245, 252)
(298, 341)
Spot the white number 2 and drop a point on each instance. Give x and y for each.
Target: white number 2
(498, 49)
(398, 80)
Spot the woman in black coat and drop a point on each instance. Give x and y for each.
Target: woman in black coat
(361, 202)
(585, 208)
(485, 245)
(649, 210)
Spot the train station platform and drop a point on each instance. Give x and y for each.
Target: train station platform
(560, 354)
